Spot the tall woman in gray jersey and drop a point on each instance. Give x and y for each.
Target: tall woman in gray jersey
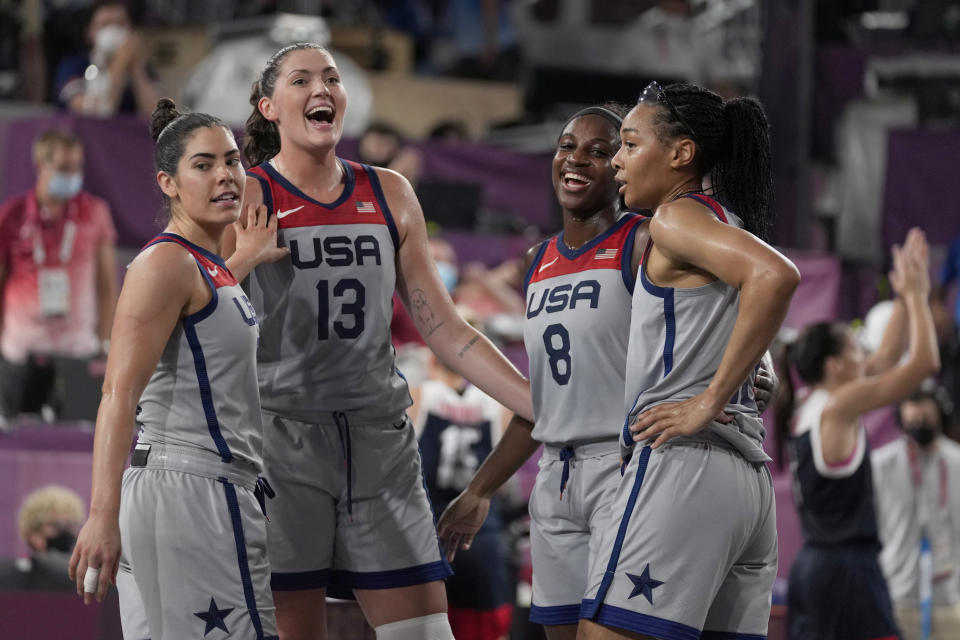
(692, 544)
(182, 367)
(351, 513)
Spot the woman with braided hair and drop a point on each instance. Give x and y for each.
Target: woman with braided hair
(692, 551)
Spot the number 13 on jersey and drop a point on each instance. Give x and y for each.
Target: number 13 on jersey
(353, 295)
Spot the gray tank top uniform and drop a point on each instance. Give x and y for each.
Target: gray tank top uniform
(677, 340)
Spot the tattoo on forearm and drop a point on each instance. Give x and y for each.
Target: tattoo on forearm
(422, 312)
(474, 340)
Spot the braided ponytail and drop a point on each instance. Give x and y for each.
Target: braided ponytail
(733, 149)
(743, 174)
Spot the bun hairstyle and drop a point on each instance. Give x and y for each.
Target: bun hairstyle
(733, 148)
(171, 130)
(262, 139)
(806, 356)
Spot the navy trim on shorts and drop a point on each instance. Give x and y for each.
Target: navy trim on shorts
(420, 574)
(433, 514)
(382, 199)
(238, 537)
(533, 265)
(643, 623)
(730, 635)
(299, 580)
(206, 398)
(562, 614)
(590, 610)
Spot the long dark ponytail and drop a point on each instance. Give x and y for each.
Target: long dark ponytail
(733, 149)
(262, 138)
(807, 356)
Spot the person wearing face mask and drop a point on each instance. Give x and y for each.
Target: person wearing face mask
(917, 494)
(58, 280)
(48, 521)
(113, 76)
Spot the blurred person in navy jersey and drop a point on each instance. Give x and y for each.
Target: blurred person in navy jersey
(917, 493)
(457, 426)
(113, 75)
(58, 278)
(48, 521)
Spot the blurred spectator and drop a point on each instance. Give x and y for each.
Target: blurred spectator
(113, 75)
(381, 145)
(48, 521)
(58, 279)
(492, 291)
(450, 131)
(917, 488)
(457, 426)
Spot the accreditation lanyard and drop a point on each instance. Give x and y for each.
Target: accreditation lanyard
(53, 282)
(936, 560)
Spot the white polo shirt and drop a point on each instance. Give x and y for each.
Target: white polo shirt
(900, 509)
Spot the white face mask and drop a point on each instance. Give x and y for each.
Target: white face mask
(63, 186)
(109, 38)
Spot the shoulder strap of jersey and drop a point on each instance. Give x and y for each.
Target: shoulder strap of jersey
(710, 203)
(626, 257)
(266, 187)
(367, 180)
(536, 262)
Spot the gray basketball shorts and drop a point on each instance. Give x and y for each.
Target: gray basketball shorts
(691, 547)
(565, 530)
(194, 558)
(351, 510)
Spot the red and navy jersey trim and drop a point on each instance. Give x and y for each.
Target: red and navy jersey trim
(535, 263)
(589, 256)
(709, 202)
(362, 182)
(275, 177)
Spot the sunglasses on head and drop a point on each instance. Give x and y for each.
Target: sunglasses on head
(653, 93)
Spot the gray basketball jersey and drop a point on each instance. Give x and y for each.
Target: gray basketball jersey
(203, 392)
(576, 331)
(677, 340)
(325, 311)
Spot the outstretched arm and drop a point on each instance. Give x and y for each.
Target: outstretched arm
(458, 345)
(842, 412)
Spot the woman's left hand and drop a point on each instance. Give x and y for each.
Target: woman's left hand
(257, 236)
(672, 419)
(766, 384)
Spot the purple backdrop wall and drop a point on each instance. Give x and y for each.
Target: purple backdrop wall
(119, 168)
